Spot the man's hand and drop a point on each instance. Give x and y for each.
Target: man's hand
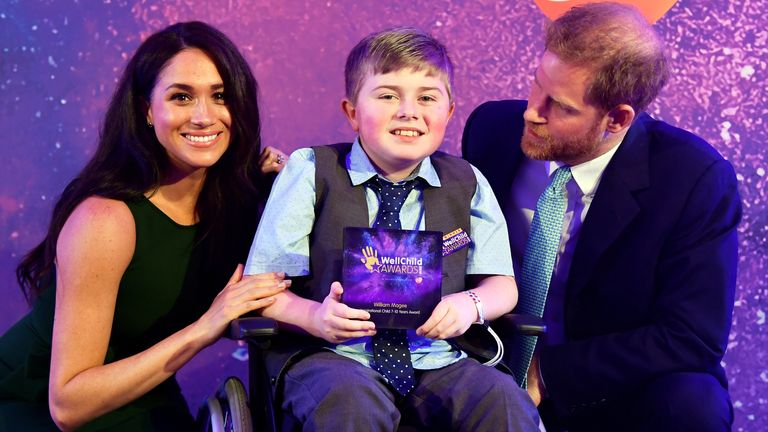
(536, 388)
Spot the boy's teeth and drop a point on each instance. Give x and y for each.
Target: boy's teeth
(195, 138)
(409, 133)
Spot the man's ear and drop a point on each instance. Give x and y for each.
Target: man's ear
(451, 110)
(620, 118)
(351, 113)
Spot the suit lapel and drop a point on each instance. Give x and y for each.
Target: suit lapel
(491, 142)
(614, 206)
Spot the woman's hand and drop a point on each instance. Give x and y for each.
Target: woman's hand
(451, 317)
(240, 296)
(336, 322)
(272, 160)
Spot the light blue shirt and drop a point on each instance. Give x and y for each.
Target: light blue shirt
(282, 238)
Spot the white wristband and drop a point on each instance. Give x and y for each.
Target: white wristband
(478, 305)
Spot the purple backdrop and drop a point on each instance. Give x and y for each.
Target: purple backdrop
(59, 62)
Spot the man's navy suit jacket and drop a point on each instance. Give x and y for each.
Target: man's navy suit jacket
(651, 285)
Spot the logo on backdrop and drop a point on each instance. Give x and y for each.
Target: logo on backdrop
(651, 9)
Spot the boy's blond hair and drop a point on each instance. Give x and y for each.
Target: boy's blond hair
(392, 50)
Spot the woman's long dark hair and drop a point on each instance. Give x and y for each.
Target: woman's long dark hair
(129, 161)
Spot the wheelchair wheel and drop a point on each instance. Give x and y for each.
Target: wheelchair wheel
(210, 418)
(227, 411)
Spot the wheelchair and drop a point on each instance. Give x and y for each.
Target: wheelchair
(227, 410)
(233, 409)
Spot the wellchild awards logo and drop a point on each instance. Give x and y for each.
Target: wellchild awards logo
(395, 275)
(391, 264)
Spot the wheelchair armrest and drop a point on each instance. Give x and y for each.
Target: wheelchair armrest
(479, 342)
(251, 327)
(258, 332)
(512, 323)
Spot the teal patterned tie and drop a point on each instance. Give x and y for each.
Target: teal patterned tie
(539, 261)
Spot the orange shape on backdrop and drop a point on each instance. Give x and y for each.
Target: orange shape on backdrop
(651, 9)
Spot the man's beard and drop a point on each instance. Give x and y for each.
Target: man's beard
(568, 149)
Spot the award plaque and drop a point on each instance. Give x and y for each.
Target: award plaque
(395, 275)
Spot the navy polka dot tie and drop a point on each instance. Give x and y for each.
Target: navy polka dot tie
(391, 356)
(391, 199)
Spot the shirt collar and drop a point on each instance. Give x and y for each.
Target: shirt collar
(361, 168)
(587, 174)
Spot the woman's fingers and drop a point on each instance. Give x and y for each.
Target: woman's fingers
(244, 294)
(253, 298)
(272, 160)
(267, 276)
(265, 154)
(257, 289)
(261, 303)
(237, 275)
(264, 280)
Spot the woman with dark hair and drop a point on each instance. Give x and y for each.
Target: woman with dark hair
(127, 284)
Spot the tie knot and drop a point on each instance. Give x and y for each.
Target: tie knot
(391, 199)
(561, 177)
(392, 195)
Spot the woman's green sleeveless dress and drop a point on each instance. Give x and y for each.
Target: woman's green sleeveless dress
(168, 284)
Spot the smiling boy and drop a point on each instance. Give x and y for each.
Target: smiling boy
(399, 101)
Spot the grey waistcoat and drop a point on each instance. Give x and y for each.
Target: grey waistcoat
(340, 204)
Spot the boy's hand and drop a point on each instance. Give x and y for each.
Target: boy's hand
(336, 322)
(451, 317)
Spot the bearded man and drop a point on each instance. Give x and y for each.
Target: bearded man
(624, 224)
